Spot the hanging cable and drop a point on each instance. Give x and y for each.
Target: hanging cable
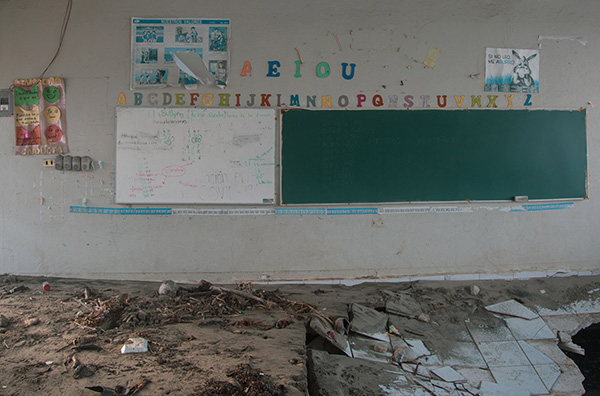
(63, 30)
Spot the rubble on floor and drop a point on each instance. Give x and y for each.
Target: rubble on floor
(504, 348)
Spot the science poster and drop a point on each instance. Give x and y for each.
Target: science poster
(512, 70)
(40, 116)
(154, 41)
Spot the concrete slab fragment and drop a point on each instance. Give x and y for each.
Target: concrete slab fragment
(323, 327)
(331, 373)
(529, 329)
(523, 377)
(368, 322)
(503, 353)
(512, 308)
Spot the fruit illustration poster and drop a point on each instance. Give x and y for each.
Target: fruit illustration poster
(155, 44)
(40, 116)
(512, 70)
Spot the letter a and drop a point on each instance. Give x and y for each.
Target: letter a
(246, 69)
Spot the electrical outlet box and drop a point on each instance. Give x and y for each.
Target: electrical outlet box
(67, 162)
(86, 163)
(76, 163)
(48, 163)
(58, 162)
(6, 103)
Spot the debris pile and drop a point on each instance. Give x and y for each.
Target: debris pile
(503, 347)
(247, 381)
(179, 304)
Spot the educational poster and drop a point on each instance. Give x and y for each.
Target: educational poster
(512, 70)
(155, 41)
(40, 116)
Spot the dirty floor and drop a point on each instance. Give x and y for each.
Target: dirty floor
(415, 338)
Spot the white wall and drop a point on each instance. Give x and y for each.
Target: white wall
(388, 41)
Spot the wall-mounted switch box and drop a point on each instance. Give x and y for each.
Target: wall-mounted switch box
(86, 163)
(6, 103)
(58, 162)
(76, 163)
(67, 162)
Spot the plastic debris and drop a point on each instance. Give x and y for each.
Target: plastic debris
(323, 327)
(31, 322)
(168, 288)
(102, 390)
(46, 286)
(135, 345)
(423, 318)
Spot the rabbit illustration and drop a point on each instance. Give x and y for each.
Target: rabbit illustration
(522, 80)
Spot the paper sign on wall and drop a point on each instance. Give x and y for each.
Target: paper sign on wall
(155, 41)
(40, 116)
(512, 70)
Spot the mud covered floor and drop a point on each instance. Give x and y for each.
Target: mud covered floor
(242, 339)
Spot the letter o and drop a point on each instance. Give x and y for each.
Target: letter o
(323, 65)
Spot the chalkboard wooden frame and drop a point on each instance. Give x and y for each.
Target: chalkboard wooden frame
(391, 156)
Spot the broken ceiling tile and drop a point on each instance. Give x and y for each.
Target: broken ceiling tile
(418, 347)
(565, 323)
(463, 354)
(570, 381)
(492, 389)
(449, 387)
(512, 308)
(448, 374)
(425, 384)
(369, 349)
(402, 304)
(369, 322)
(586, 307)
(503, 353)
(534, 329)
(549, 373)
(422, 371)
(543, 311)
(523, 377)
(534, 355)
(550, 349)
(489, 332)
(475, 375)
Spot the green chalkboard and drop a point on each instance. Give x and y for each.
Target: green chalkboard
(379, 156)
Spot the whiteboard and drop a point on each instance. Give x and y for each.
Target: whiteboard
(195, 155)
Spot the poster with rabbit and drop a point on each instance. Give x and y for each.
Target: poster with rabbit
(512, 70)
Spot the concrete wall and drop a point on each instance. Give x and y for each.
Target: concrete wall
(388, 41)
